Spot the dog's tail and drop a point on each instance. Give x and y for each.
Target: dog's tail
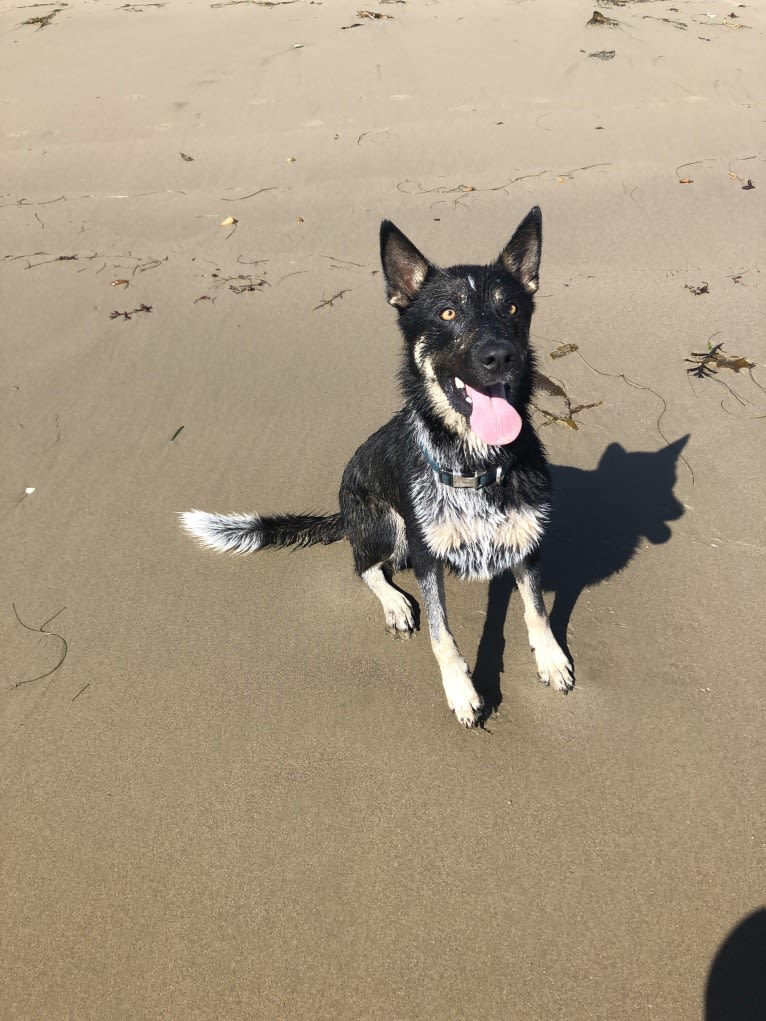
(245, 533)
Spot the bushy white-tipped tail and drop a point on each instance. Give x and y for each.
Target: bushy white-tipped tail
(227, 533)
(245, 533)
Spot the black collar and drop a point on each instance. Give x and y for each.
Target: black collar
(477, 481)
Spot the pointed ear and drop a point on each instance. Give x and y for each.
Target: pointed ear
(613, 454)
(404, 268)
(674, 449)
(521, 256)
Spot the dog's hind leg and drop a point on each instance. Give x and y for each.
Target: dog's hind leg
(462, 697)
(400, 618)
(553, 666)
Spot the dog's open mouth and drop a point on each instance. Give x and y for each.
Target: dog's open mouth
(490, 413)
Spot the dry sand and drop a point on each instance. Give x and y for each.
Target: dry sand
(236, 797)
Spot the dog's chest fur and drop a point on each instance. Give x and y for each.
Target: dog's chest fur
(468, 531)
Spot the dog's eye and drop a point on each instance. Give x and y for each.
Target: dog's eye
(512, 310)
(448, 314)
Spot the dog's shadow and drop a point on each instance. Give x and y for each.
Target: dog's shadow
(599, 518)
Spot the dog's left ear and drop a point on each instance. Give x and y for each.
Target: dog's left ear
(404, 268)
(521, 256)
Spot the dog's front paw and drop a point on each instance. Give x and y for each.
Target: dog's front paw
(553, 665)
(463, 699)
(400, 617)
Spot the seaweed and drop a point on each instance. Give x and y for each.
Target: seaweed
(44, 20)
(707, 363)
(546, 385)
(597, 18)
(640, 386)
(129, 315)
(325, 302)
(563, 350)
(52, 634)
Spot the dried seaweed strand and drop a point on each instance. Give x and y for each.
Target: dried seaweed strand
(329, 301)
(640, 386)
(41, 630)
(705, 365)
(243, 198)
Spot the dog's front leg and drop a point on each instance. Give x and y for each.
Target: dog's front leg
(462, 697)
(553, 665)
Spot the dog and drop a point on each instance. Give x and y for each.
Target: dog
(458, 478)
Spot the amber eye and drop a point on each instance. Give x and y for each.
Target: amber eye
(512, 310)
(448, 314)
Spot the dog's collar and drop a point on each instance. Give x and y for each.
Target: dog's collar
(477, 481)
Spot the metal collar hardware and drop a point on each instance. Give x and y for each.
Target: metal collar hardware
(477, 481)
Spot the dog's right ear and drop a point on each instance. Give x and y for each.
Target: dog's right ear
(404, 268)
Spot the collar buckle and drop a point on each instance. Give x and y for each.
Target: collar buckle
(479, 480)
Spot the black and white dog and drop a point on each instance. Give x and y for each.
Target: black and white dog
(458, 477)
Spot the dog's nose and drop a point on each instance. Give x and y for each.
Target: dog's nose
(495, 356)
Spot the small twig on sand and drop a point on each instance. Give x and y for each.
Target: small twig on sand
(329, 301)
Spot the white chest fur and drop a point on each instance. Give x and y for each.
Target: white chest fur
(475, 538)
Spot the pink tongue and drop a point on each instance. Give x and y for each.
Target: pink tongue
(493, 419)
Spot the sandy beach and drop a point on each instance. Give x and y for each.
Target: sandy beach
(225, 792)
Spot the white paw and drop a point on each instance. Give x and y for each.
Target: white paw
(463, 699)
(553, 666)
(400, 618)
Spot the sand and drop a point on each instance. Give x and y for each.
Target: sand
(226, 793)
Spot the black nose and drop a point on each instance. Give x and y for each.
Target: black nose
(495, 356)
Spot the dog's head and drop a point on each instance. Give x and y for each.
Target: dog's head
(468, 362)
